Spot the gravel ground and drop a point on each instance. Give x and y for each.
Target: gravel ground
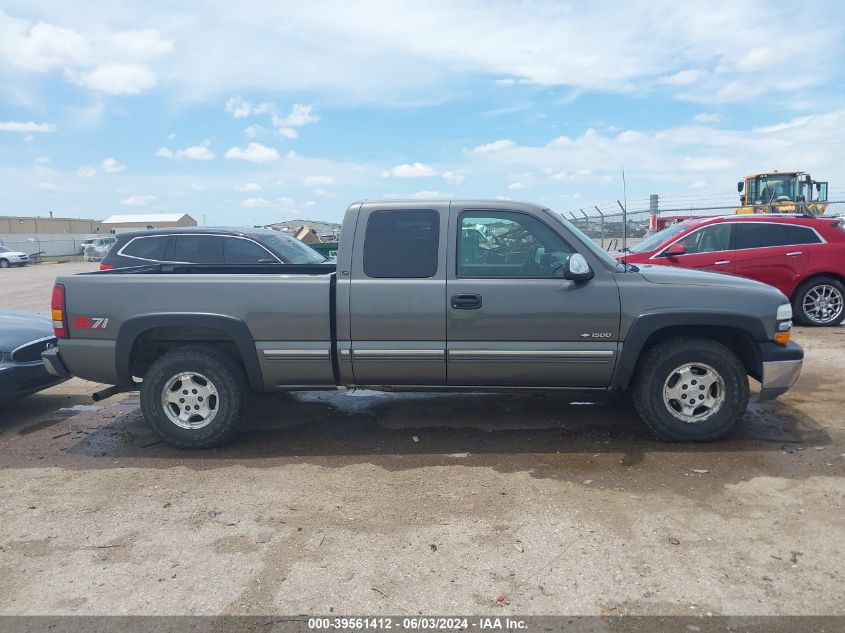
(365, 503)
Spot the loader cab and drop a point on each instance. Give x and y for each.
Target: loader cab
(782, 192)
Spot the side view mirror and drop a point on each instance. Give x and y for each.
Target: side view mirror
(576, 268)
(740, 186)
(676, 249)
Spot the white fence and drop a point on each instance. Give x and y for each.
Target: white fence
(50, 245)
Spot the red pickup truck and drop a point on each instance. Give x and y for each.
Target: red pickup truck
(802, 256)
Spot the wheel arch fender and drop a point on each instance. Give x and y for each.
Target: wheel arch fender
(234, 329)
(647, 329)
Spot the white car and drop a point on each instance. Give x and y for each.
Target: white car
(10, 258)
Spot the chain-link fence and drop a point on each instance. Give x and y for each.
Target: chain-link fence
(606, 226)
(47, 245)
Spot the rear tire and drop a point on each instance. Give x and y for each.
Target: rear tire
(690, 390)
(193, 396)
(819, 302)
(4, 263)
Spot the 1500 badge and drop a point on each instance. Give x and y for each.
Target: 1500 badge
(90, 323)
(596, 334)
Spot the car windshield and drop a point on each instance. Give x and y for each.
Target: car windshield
(291, 250)
(589, 243)
(3, 249)
(652, 242)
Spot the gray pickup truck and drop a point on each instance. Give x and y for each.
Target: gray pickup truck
(457, 295)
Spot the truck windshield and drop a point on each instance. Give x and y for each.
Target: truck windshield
(291, 250)
(595, 249)
(658, 238)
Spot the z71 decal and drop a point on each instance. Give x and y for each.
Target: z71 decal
(90, 323)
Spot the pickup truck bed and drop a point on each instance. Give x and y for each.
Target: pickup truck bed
(464, 295)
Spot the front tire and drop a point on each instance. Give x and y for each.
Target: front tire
(691, 390)
(4, 263)
(819, 302)
(193, 396)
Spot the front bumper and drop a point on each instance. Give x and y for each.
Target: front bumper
(21, 379)
(781, 368)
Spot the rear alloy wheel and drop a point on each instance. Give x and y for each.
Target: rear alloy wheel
(193, 396)
(819, 302)
(691, 389)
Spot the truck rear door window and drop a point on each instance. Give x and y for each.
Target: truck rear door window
(196, 249)
(402, 244)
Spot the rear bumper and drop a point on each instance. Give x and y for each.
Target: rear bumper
(781, 368)
(54, 364)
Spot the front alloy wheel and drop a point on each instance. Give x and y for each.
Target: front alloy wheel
(694, 392)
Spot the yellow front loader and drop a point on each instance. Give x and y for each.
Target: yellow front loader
(782, 192)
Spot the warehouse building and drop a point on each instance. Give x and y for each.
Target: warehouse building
(123, 223)
(23, 225)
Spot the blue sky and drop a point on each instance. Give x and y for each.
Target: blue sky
(242, 112)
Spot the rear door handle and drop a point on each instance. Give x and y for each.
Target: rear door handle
(466, 302)
(723, 261)
(794, 254)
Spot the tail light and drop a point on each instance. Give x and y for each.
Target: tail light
(59, 314)
(106, 266)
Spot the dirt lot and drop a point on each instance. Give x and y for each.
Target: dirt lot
(361, 503)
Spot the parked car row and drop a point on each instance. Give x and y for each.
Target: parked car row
(802, 256)
(9, 258)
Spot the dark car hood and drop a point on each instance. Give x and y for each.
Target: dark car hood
(18, 328)
(673, 275)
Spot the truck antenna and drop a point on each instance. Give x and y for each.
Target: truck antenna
(624, 212)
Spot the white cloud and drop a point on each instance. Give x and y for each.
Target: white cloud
(310, 203)
(40, 47)
(516, 186)
(144, 44)
(43, 160)
(495, 146)
(115, 79)
(26, 126)
(111, 166)
(285, 201)
(195, 152)
(287, 132)
(698, 184)
(139, 200)
(86, 171)
(706, 117)
(241, 108)
(415, 170)
(429, 195)
(47, 187)
(299, 115)
(249, 186)
(452, 178)
(252, 131)
(253, 152)
(256, 202)
(683, 77)
(319, 181)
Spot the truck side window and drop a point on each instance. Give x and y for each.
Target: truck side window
(402, 244)
(503, 244)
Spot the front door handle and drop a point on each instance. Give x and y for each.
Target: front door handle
(466, 302)
(723, 261)
(794, 254)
